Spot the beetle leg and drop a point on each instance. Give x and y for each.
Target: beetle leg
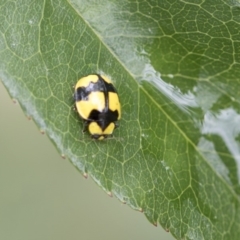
(85, 125)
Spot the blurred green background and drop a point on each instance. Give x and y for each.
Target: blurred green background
(44, 197)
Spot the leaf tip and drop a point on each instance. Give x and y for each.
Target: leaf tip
(42, 131)
(15, 101)
(140, 210)
(155, 224)
(110, 194)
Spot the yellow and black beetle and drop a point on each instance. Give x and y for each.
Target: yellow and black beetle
(98, 105)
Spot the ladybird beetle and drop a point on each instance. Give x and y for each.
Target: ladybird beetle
(98, 105)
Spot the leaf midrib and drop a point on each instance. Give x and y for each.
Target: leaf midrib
(156, 104)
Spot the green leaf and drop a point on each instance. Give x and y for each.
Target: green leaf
(176, 65)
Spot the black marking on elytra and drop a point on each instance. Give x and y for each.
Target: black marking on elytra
(103, 119)
(82, 93)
